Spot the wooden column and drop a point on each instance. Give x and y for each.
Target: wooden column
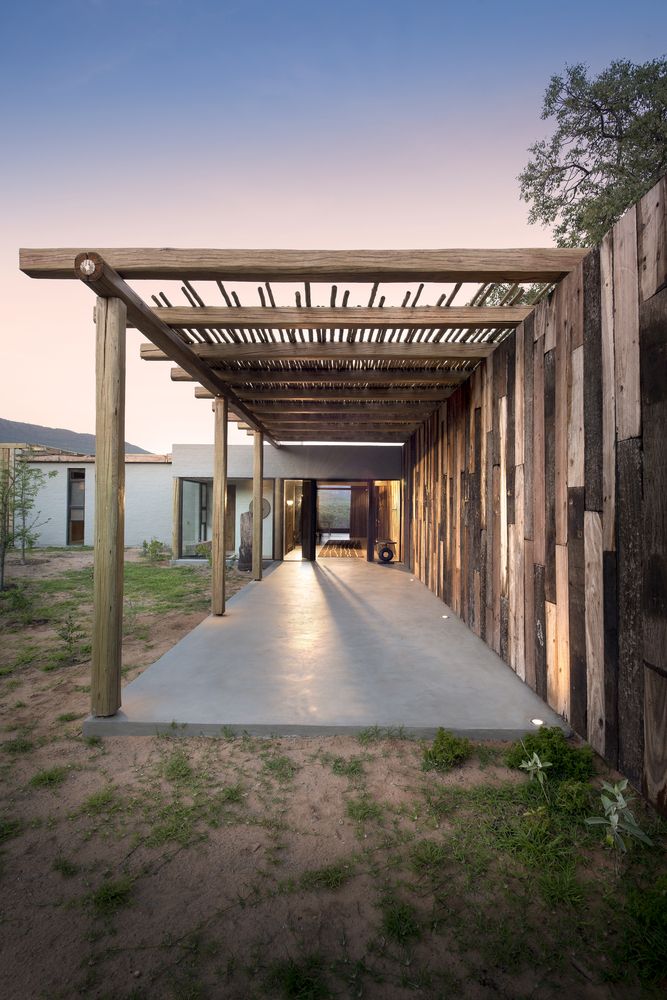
(278, 518)
(372, 521)
(219, 541)
(110, 321)
(257, 497)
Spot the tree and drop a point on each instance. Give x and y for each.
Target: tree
(20, 484)
(608, 147)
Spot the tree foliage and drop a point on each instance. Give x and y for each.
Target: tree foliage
(608, 147)
(20, 484)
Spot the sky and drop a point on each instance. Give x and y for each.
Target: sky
(261, 124)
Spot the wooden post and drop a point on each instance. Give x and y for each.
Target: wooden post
(176, 519)
(257, 498)
(219, 542)
(110, 322)
(278, 518)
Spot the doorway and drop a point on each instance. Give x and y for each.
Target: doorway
(342, 520)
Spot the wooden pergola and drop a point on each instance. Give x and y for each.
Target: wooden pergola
(360, 371)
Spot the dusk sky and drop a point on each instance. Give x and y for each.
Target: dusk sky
(260, 124)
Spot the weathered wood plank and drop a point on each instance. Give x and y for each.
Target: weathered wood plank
(653, 341)
(324, 318)
(109, 537)
(562, 704)
(550, 476)
(412, 352)
(349, 376)
(540, 638)
(630, 647)
(594, 584)
(575, 421)
(529, 613)
(610, 621)
(539, 497)
(533, 264)
(551, 655)
(608, 394)
(592, 380)
(626, 327)
(652, 239)
(516, 588)
(528, 409)
(503, 526)
(576, 573)
(562, 382)
(496, 589)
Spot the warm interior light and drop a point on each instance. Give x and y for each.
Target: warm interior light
(290, 503)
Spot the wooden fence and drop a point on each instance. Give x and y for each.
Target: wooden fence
(536, 498)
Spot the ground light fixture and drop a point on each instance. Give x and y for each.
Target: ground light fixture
(537, 722)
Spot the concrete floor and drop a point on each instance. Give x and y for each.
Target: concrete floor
(330, 647)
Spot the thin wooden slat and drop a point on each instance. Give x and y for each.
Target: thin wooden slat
(539, 497)
(562, 383)
(531, 264)
(541, 669)
(594, 584)
(516, 582)
(110, 316)
(530, 622)
(592, 382)
(626, 327)
(652, 240)
(528, 431)
(551, 655)
(630, 644)
(318, 394)
(550, 476)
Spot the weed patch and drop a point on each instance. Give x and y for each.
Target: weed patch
(363, 809)
(303, 980)
(400, 921)
(330, 877)
(50, 778)
(446, 752)
(111, 897)
(550, 744)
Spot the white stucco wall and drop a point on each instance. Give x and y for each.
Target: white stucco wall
(148, 502)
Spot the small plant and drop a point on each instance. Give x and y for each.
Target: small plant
(178, 767)
(536, 768)
(111, 896)
(363, 809)
(299, 980)
(50, 778)
(550, 743)
(644, 945)
(331, 877)
(280, 767)
(18, 745)
(618, 819)
(155, 550)
(447, 751)
(348, 768)
(400, 921)
(65, 867)
(9, 828)
(428, 856)
(205, 550)
(573, 798)
(70, 634)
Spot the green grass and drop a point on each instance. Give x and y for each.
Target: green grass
(111, 896)
(65, 867)
(551, 745)
(400, 921)
(299, 980)
(352, 767)
(70, 716)
(50, 778)
(9, 828)
(280, 767)
(428, 856)
(100, 803)
(20, 744)
(329, 877)
(364, 809)
(178, 768)
(644, 943)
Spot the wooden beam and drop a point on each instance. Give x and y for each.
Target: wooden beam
(334, 394)
(342, 425)
(109, 539)
(354, 318)
(219, 541)
(363, 376)
(257, 498)
(360, 435)
(105, 282)
(530, 264)
(356, 351)
(372, 417)
(341, 409)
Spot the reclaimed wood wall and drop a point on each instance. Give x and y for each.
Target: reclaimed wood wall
(537, 498)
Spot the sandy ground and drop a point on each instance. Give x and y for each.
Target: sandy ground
(194, 868)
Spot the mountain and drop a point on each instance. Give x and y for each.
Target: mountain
(15, 432)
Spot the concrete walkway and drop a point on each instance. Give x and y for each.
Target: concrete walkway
(330, 647)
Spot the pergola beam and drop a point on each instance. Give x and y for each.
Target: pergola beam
(316, 394)
(95, 272)
(517, 265)
(257, 376)
(357, 351)
(355, 318)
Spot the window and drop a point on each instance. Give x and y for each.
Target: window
(76, 503)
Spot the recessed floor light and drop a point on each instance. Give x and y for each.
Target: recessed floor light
(537, 722)
(445, 616)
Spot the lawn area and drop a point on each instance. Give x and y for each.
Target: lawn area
(370, 866)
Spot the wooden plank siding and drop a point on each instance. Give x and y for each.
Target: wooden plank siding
(538, 494)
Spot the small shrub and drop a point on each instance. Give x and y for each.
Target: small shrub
(18, 745)
(155, 550)
(550, 744)
(363, 809)
(9, 828)
(178, 767)
(50, 778)
(331, 877)
(70, 634)
(447, 751)
(99, 802)
(618, 821)
(428, 856)
(280, 767)
(348, 768)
